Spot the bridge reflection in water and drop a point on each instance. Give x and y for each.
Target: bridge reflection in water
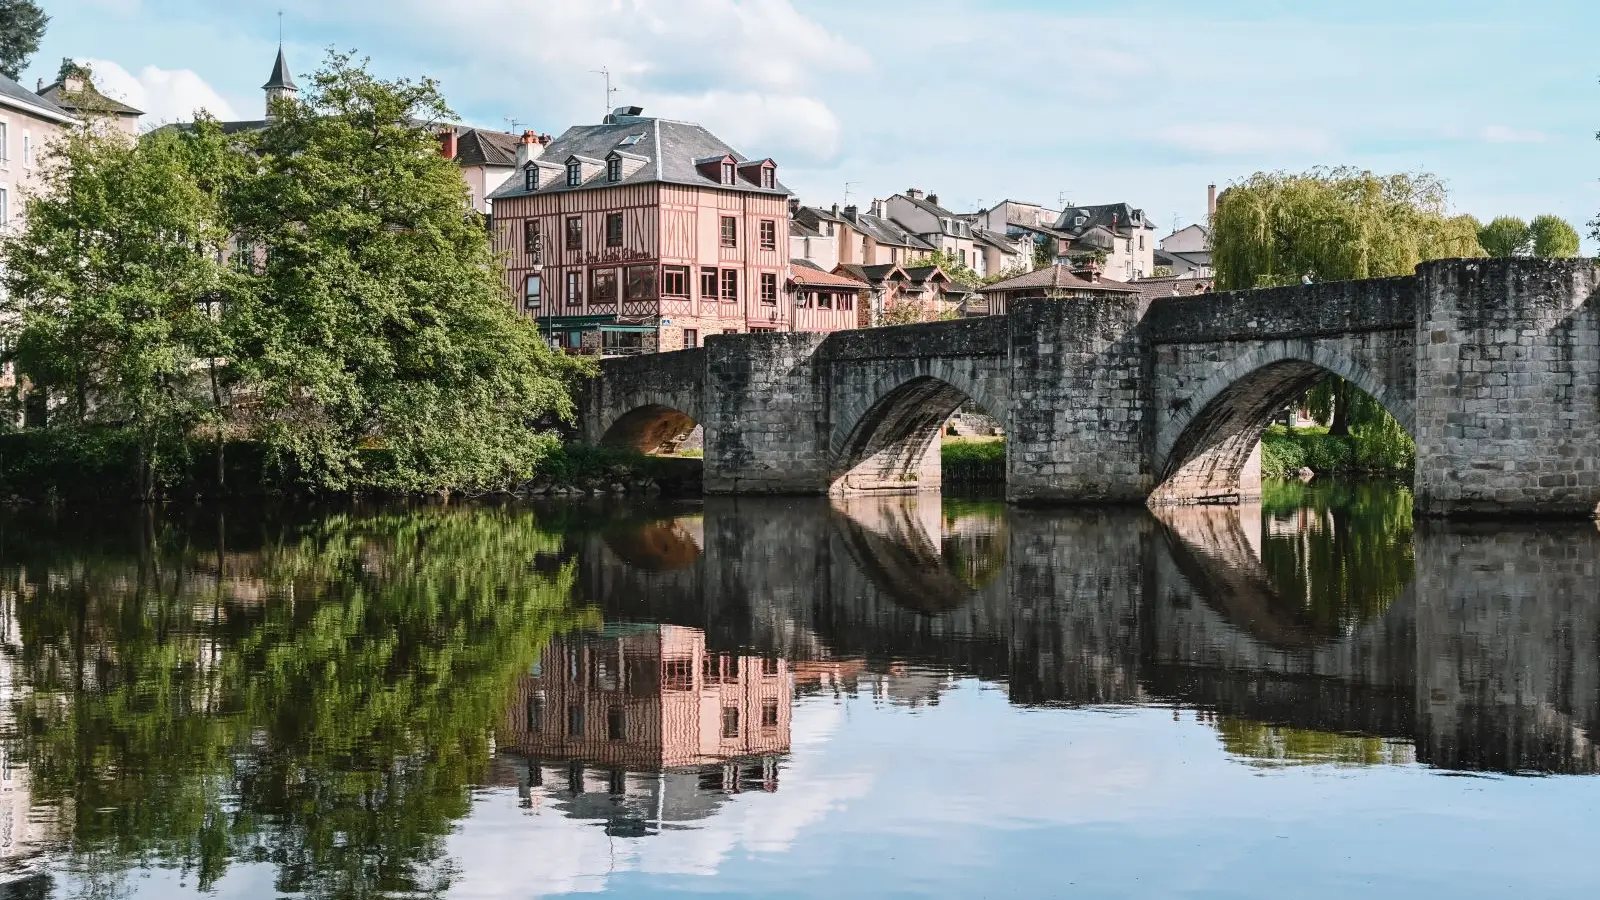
(1305, 631)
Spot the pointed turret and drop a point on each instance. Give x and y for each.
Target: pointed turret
(281, 83)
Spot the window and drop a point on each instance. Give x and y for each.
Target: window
(1141, 242)
(730, 285)
(677, 674)
(730, 331)
(614, 169)
(5, 207)
(603, 286)
(619, 342)
(641, 283)
(727, 173)
(769, 714)
(574, 288)
(574, 173)
(5, 142)
(769, 665)
(575, 339)
(674, 281)
(730, 721)
(27, 149)
(769, 178)
(530, 178)
(575, 720)
(963, 257)
(691, 338)
(769, 234)
(536, 714)
(613, 229)
(769, 288)
(574, 233)
(533, 293)
(708, 283)
(730, 231)
(616, 723)
(531, 243)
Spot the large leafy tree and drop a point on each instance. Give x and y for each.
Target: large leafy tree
(1506, 236)
(378, 317)
(1553, 237)
(1334, 224)
(22, 25)
(114, 286)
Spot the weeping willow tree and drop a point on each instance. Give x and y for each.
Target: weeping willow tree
(1274, 228)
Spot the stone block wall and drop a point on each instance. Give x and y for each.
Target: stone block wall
(765, 415)
(1076, 428)
(1508, 388)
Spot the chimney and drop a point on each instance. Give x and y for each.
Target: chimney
(72, 84)
(836, 210)
(850, 212)
(877, 207)
(40, 88)
(794, 206)
(934, 199)
(447, 143)
(1211, 203)
(914, 193)
(531, 147)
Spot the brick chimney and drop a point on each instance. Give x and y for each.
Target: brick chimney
(447, 143)
(1211, 203)
(531, 147)
(914, 193)
(934, 199)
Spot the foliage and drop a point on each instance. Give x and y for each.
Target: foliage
(322, 703)
(376, 315)
(973, 461)
(1506, 236)
(22, 25)
(1044, 251)
(958, 271)
(902, 310)
(1553, 237)
(1376, 447)
(1335, 224)
(108, 289)
(1264, 745)
(1161, 272)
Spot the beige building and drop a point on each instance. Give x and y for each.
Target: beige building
(27, 123)
(75, 93)
(1119, 232)
(921, 215)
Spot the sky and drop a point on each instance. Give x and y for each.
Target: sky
(1139, 101)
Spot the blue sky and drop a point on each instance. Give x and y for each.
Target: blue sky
(975, 100)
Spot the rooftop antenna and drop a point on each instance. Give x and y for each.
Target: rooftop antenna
(511, 124)
(606, 72)
(847, 185)
(1062, 201)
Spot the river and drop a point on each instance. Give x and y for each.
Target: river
(1308, 697)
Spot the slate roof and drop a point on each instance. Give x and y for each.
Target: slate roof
(885, 231)
(280, 77)
(13, 94)
(873, 275)
(670, 146)
(1102, 216)
(87, 100)
(1000, 241)
(482, 147)
(798, 228)
(1051, 278)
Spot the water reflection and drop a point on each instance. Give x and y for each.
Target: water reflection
(310, 701)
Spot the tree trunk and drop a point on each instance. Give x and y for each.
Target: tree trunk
(216, 402)
(1340, 426)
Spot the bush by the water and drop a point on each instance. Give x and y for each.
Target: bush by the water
(1366, 450)
(973, 461)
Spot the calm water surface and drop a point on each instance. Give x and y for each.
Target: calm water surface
(1307, 698)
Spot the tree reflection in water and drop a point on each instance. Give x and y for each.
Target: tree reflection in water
(319, 700)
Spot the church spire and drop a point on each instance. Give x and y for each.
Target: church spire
(281, 83)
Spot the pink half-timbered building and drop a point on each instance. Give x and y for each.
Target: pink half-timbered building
(642, 234)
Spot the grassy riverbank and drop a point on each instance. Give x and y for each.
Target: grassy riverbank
(1284, 451)
(973, 460)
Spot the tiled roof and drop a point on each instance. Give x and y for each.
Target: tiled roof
(812, 275)
(671, 147)
(13, 94)
(874, 275)
(1000, 241)
(1153, 288)
(482, 147)
(1051, 278)
(87, 100)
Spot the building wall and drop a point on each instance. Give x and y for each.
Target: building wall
(1190, 239)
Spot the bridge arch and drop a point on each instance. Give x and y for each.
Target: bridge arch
(649, 423)
(884, 437)
(1207, 439)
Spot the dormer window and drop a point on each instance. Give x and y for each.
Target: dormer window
(574, 173)
(614, 169)
(530, 178)
(769, 178)
(727, 173)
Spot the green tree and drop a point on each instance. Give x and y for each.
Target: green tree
(1336, 224)
(1044, 252)
(1553, 237)
(958, 271)
(22, 25)
(113, 289)
(377, 317)
(1506, 236)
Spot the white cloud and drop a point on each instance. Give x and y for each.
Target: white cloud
(792, 129)
(165, 95)
(1505, 134)
(1227, 139)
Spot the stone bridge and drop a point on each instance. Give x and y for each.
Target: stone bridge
(1493, 366)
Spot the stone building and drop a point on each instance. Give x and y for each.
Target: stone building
(74, 91)
(1118, 232)
(641, 234)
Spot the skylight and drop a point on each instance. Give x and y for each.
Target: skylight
(630, 140)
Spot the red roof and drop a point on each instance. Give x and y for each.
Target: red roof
(819, 278)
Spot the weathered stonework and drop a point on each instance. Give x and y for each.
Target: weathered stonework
(1493, 365)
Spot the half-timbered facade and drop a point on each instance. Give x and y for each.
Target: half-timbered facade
(642, 234)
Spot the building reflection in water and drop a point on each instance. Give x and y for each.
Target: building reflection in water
(642, 727)
(1316, 628)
